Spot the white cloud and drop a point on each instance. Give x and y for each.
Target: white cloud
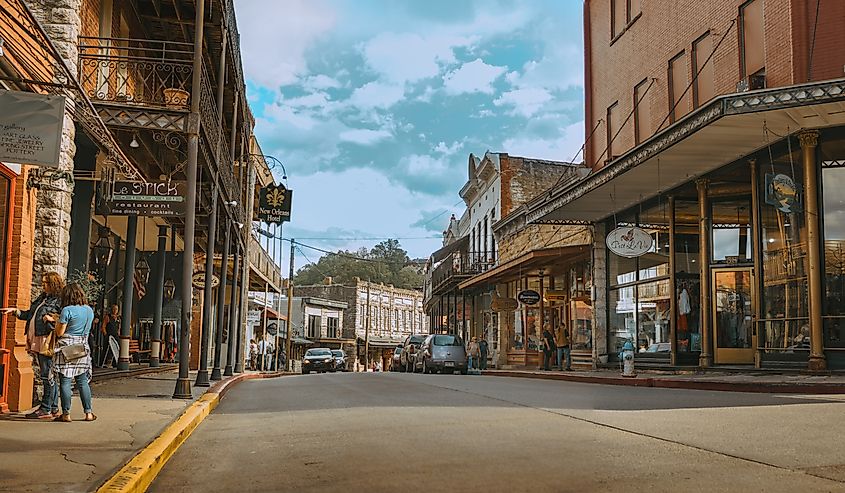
(274, 56)
(560, 148)
(475, 76)
(314, 100)
(409, 57)
(364, 136)
(449, 150)
(525, 102)
(321, 82)
(376, 95)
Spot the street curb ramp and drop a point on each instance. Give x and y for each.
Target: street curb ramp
(137, 474)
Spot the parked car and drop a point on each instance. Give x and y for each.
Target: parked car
(441, 353)
(409, 350)
(397, 357)
(339, 360)
(319, 360)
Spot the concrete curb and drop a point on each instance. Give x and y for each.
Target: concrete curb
(676, 383)
(140, 471)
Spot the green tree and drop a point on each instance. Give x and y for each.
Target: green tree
(386, 262)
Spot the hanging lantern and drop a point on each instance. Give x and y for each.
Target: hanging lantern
(103, 249)
(169, 289)
(142, 268)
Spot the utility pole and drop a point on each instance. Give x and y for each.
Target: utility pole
(367, 331)
(289, 322)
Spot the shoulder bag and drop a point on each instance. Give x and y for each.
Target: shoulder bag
(73, 352)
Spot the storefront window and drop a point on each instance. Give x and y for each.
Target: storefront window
(580, 307)
(784, 329)
(833, 191)
(732, 231)
(687, 280)
(622, 309)
(653, 317)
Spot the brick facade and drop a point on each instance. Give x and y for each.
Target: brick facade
(666, 28)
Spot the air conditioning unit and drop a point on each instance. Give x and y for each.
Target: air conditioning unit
(751, 83)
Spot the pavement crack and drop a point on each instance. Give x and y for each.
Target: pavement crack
(639, 434)
(64, 455)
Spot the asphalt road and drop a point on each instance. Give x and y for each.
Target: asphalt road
(408, 432)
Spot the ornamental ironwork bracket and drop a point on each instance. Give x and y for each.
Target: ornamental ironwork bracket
(47, 178)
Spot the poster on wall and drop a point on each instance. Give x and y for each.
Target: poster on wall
(31, 128)
(629, 241)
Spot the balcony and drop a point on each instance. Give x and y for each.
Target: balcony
(460, 266)
(264, 266)
(145, 85)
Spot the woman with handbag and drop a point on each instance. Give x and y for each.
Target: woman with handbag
(72, 359)
(40, 338)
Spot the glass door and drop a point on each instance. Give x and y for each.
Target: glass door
(732, 316)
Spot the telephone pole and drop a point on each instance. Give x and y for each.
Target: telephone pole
(289, 323)
(367, 332)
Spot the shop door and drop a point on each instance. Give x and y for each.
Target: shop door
(732, 316)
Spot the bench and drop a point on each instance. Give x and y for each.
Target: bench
(135, 350)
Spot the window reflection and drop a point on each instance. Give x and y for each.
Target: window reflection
(833, 190)
(732, 231)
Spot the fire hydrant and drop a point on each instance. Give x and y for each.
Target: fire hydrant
(627, 356)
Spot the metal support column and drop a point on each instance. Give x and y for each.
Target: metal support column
(216, 373)
(183, 384)
(128, 292)
(207, 295)
(704, 225)
(234, 315)
(155, 336)
(289, 321)
(809, 140)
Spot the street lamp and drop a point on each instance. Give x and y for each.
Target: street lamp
(275, 161)
(103, 249)
(169, 289)
(143, 269)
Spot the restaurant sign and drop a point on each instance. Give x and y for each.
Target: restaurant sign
(556, 295)
(528, 297)
(198, 280)
(274, 203)
(135, 198)
(31, 128)
(629, 241)
(504, 304)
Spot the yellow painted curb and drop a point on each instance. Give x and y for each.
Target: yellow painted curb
(139, 472)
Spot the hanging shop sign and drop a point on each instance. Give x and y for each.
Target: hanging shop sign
(504, 304)
(629, 241)
(31, 128)
(274, 203)
(135, 198)
(198, 280)
(556, 295)
(783, 193)
(528, 297)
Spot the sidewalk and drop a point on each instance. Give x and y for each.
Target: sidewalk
(711, 380)
(39, 455)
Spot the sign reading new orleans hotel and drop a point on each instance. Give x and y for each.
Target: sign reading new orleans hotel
(155, 198)
(274, 202)
(31, 128)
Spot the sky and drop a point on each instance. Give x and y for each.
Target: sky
(374, 106)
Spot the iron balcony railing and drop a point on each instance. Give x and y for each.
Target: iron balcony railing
(263, 263)
(461, 264)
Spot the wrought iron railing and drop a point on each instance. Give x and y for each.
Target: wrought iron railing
(136, 71)
(263, 263)
(461, 264)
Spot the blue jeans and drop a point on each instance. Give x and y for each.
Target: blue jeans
(50, 401)
(561, 351)
(84, 392)
(470, 360)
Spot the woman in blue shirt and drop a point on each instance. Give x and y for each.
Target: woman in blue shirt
(73, 327)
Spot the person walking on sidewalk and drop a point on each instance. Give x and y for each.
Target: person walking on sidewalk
(482, 353)
(563, 350)
(253, 354)
(111, 328)
(40, 338)
(548, 347)
(72, 330)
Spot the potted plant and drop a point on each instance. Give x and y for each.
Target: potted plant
(176, 98)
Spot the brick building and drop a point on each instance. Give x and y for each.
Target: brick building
(716, 129)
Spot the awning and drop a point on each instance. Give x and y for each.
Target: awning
(382, 342)
(444, 252)
(724, 130)
(524, 263)
(272, 315)
(300, 340)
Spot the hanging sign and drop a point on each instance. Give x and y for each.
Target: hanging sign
(504, 304)
(783, 193)
(556, 295)
(528, 297)
(629, 241)
(135, 198)
(274, 203)
(198, 280)
(31, 128)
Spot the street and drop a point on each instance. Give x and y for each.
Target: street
(411, 432)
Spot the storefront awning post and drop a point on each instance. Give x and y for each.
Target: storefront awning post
(705, 360)
(207, 295)
(809, 140)
(155, 335)
(234, 313)
(128, 292)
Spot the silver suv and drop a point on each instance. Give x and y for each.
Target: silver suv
(409, 352)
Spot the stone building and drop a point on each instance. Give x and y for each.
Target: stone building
(395, 313)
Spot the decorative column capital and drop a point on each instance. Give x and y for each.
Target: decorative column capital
(702, 183)
(808, 138)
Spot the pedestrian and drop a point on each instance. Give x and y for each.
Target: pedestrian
(281, 360)
(268, 356)
(110, 328)
(253, 354)
(262, 352)
(40, 338)
(483, 348)
(548, 347)
(72, 359)
(473, 354)
(563, 350)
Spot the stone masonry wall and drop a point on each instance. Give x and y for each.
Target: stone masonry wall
(540, 236)
(62, 22)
